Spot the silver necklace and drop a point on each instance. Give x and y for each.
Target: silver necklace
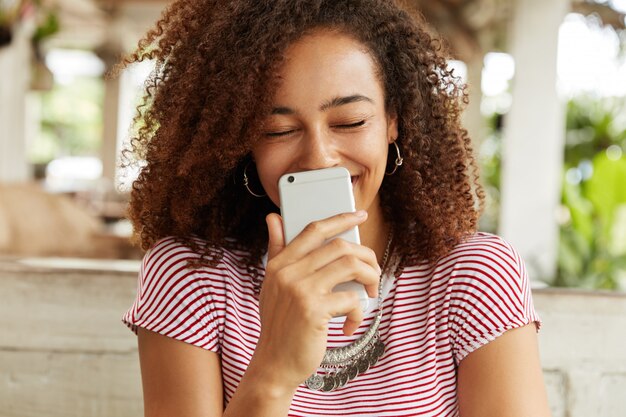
(345, 363)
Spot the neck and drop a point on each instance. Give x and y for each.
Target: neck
(374, 232)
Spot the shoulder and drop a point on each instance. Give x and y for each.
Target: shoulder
(179, 298)
(168, 252)
(488, 292)
(478, 254)
(170, 258)
(488, 287)
(483, 246)
(173, 254)
(172, 263)
(484, 257)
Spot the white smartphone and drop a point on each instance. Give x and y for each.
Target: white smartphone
(314, 195)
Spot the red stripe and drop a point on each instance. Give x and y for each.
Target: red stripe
(432, 316)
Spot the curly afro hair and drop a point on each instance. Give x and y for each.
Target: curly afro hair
(205, 102)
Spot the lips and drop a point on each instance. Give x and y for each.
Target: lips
(354, 179)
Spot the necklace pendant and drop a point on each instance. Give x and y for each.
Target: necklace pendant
(352, 371)
(337, 379)
(380, 349)
(341, 379)
(372, 359)
(329, 383)
(315, 382)
(363, 365)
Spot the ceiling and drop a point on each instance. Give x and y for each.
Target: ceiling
(93, 24)
(472, 26)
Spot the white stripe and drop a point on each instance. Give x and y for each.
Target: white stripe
(427, 323)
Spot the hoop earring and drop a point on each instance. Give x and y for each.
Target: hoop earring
(398, 161)
(245, 183)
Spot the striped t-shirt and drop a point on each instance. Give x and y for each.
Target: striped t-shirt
(433, 316)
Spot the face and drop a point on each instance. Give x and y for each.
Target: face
(328, 111)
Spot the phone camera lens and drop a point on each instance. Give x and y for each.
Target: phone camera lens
(291, 178)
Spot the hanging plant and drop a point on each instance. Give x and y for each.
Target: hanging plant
(5, 35)
(9, 15)
(48, 26)
(15, 12)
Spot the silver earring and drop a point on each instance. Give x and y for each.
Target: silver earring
(245, 183)
(398, 161)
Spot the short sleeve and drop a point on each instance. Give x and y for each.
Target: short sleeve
(177, 301)
(489, 293)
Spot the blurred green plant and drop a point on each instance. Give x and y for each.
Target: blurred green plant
(71, 120)
(48, 26)
(593, 125)
(592, 250)
(14, 12)
(490, 160)
(592, 217)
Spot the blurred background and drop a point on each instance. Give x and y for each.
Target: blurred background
(547, 115)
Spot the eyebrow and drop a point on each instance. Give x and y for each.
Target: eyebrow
(334, 102)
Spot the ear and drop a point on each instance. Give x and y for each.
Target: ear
(392, 127)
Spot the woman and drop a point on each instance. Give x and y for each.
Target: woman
(231, 320)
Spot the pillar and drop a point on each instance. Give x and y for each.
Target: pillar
(110, 118)
(14, 84)
(534, 134)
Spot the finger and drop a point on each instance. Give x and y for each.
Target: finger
(346, 303)
(315, 234)
(354, 318)
(275, 232)
(338, 248)
(347, 268)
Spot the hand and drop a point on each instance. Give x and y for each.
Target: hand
(297, 300)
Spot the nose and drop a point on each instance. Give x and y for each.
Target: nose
(317, 151)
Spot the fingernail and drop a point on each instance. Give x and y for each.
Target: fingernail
(360, 213)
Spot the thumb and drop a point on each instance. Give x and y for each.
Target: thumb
(275, 233)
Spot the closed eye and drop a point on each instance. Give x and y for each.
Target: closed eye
(279, 134)
(351, 125)
(288, 132)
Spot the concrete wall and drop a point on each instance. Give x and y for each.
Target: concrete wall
(63, 349)
(583, 352)
(65, 353)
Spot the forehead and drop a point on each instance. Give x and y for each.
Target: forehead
(326, 63)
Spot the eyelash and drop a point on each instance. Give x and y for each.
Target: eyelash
(288, 132)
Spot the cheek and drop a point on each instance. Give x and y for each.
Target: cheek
(373, 154)
(260, 155)
(265, 171)
(269, 170)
